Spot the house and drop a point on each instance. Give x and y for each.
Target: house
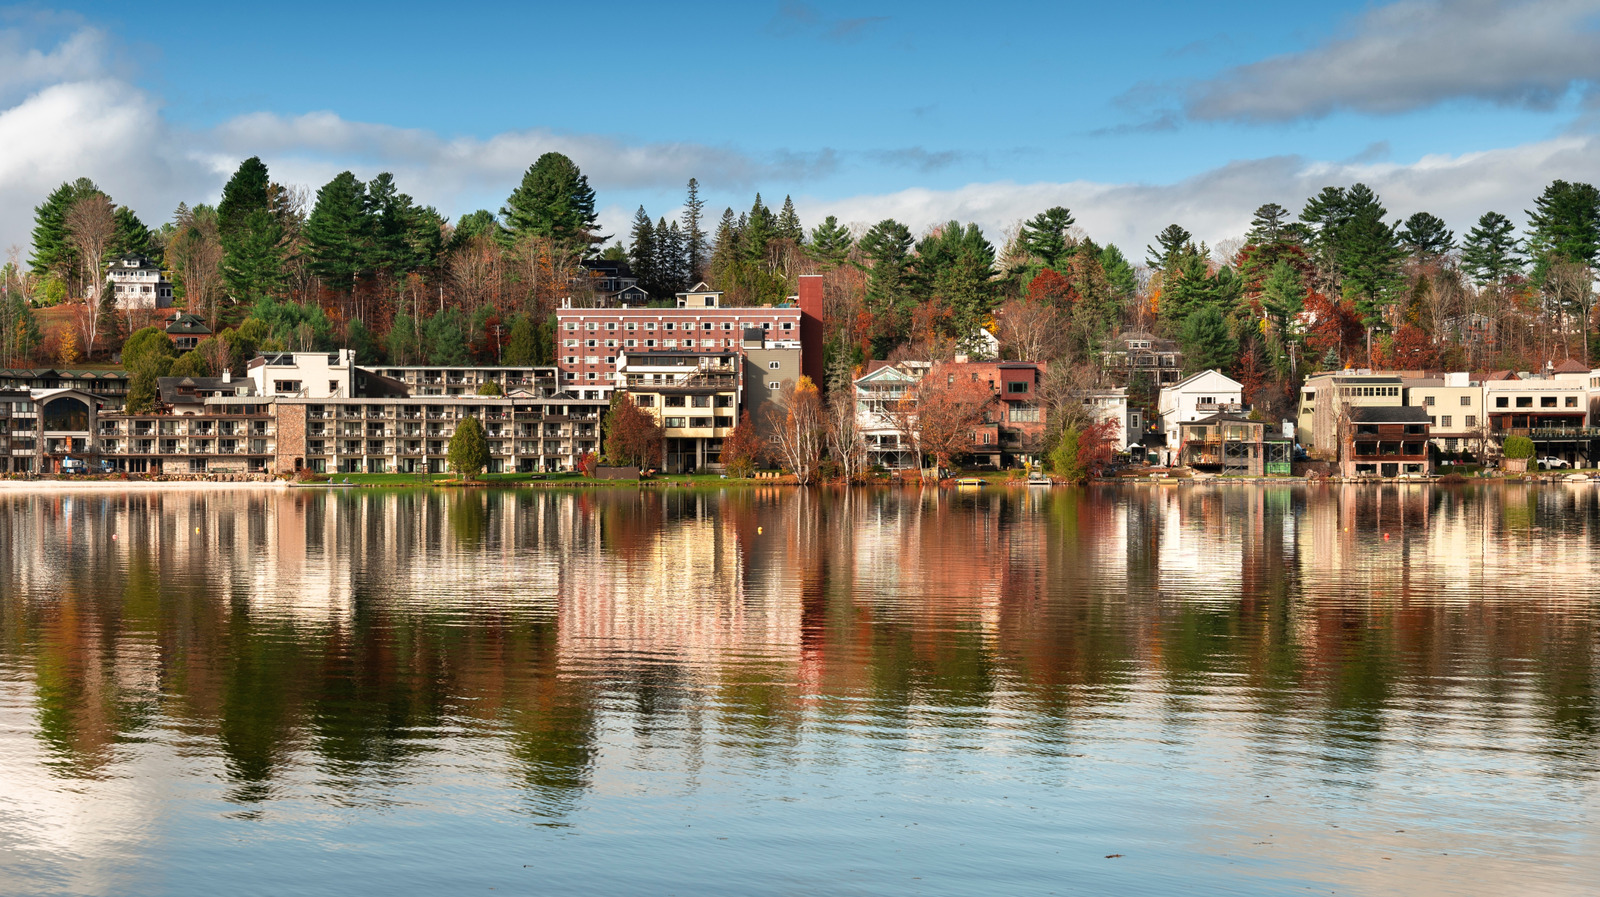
(692, 393)
(137, 282)
(1194, 397)
(612, 283)
(187, 331)
(1384, 440)
(1231, 443)
(1326, 399)
(319, 375)
(888, 432)
(1135, 352)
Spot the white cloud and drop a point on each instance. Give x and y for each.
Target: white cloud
(1218, 204)
(1415, 54)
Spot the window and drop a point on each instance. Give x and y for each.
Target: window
(1017, 387)
(1023, 414)
(1524, 401)
(706, 326)
(632, 326)
(572, 359)
(645, 401)
(1427, 401)
(1500, 401)
(1466, 401)
(570, 344)
(1472, 420)
(700, 402)
(773, 384)
(788, 325)
(572, 325)
(1447, 421)
(591, 343)
(724, 401)
(649, 344)
(611, 325)
(591, 326)
(1547, 401)
(674, 402)
(727, 325)
(774, 365)
(669, 326)
(674, 422)
(632, 343)
(650, 325)
(1208, 400)
(1572, 401)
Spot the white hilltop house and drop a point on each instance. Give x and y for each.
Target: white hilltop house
(137, 282)
(1195, 397)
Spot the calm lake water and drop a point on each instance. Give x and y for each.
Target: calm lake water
(1214, 689)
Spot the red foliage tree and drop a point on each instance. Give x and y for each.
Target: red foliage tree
(1096, 446)
(1336, 326)
(743, 448)
(1049, 286)
(1412, 350)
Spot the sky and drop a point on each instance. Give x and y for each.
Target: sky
(1133, 115)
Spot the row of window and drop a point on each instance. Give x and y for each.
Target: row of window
(669, 325)
(1466, 401)
(1368, 391)
(1544, 401)
(1447, 421)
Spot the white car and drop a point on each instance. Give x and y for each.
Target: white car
(1551, 463)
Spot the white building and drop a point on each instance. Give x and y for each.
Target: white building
(1110, 405)
(1194, 397)
(889, 436)
(137, 282)
(307, 375)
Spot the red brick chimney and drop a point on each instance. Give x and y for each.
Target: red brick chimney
(811, 329)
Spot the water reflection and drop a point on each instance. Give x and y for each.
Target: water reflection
(366, 649)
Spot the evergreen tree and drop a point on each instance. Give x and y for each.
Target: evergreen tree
(132, 237)
(447, 338)
(954, 266)
(887, 247)
(726, 254)
(1564, 225)
(1207, 342)
(359, 339)
(694, 234)
(521, 346)
(1425, 237)
(1324, 217)
(1046, 236)
(1187, 288)
(405, 341)
(1270, 225)
(642, 252)
(404, 237)
(339, 233)
(757, 230)
(554, 200)
(142, 394)
(1174, 242)
(251, 234)
(469, 451)
(1491, 253)
(672, 268)
(148, 351)
(1282, 295)
(830, 242)
(788, 224)
(52, 251)
(473, 224)
(1369, 254)
(1118, 271)
(192, 364)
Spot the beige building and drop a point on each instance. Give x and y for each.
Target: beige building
(1327, 397)
(1455, 411)
(693, 394)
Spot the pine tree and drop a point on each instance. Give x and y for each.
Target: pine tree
(726, 254)
(339, 233)
(788, 225)
(1369, 254)
(1564, 225)
(1270, 225)
(251, 234)
(757, 231)
(831, 242)
(1046, 236)
(672, 267)
(469, 451)
(642, 252)
(132, 237)
(1118, 271)
(554, 200)
(954, 266)
(1207, 342)
(1425, 237)
(1174, 242)
(1282, 295)
(694, 234)
(521, 348)
(447, 338)
(1491, 253)
(1324, 217)
(52, 251)
(887, 247)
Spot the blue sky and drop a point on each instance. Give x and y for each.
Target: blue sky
(1134, 115)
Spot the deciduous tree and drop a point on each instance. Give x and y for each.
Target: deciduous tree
(632, 435)
(798, 428)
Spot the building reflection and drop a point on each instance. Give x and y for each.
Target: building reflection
(352, 632)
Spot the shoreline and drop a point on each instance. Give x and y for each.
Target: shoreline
(64, 485)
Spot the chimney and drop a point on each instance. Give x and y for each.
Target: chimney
(811, 329)
(227, 375)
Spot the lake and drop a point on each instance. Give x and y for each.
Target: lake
(766, 690)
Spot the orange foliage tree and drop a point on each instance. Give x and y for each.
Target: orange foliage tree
(951, 404)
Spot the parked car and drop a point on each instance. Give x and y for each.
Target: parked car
(1553, 463)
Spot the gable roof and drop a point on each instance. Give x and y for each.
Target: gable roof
(188, 325)
(1571, 366)
(1193, 377)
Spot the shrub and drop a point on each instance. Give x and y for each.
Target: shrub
(1518, 447)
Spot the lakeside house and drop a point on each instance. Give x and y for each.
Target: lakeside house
(137, 282)
(1233, 444)
(1195, 397)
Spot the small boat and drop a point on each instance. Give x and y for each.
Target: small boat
(1038, 479)
(972, 481)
